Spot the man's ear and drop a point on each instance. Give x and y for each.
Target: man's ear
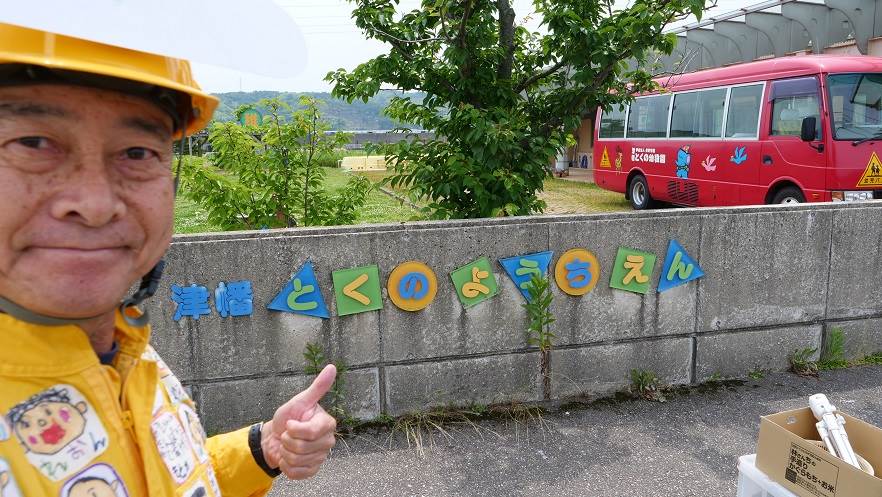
(114, 485)
(82, 407)
(4, 479)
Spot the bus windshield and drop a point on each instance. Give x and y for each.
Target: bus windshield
(856, 105)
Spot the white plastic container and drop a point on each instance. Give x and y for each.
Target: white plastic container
(754, 483)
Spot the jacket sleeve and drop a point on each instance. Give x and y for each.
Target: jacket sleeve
(238, 475)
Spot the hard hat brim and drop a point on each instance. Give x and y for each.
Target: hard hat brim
(31, 47)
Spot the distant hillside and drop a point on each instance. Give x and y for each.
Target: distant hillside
(341, 115)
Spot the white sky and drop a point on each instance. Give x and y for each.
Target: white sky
(333, 41)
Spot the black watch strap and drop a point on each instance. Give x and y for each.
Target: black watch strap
(254, 436)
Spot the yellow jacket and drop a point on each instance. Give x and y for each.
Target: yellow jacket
(72, 427)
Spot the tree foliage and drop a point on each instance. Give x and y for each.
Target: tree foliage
(270, 175)
(502, 100)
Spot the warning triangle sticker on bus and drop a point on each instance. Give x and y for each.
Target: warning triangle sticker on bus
(604, 159)
(873, 175)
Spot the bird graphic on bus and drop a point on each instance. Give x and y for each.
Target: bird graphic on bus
(683, 160)
(740, 155)
(709, 163)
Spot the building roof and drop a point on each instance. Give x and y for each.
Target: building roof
(774, 27)
(780, 67)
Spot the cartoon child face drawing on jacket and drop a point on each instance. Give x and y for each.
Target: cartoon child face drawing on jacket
(48, 421)
(93, 487)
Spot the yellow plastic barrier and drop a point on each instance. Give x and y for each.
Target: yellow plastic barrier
(364, 163)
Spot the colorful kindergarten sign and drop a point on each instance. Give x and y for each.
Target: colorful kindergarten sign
(412, 286)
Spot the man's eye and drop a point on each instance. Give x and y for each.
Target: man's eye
(36, 142)
(139, 153)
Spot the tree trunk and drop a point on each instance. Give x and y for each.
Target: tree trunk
(312, 144)
(506, 38)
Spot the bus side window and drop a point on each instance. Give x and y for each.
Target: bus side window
(612, 122)
(698, 114)
(649, 117)
(792, 101)
(744, 111)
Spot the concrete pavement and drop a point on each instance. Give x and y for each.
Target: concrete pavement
(687, 446)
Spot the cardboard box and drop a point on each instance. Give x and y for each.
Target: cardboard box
(785, 452)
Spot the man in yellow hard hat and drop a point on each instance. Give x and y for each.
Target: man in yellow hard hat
(86, 204)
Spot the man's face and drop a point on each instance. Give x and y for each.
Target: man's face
(86, 196)
(49, 426)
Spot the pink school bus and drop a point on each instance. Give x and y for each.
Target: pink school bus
(785, 130)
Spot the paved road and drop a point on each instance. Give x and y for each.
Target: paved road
(687, 446)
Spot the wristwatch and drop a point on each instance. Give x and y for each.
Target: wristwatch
(254, 436)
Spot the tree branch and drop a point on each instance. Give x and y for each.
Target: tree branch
(402, 40)
(465, 70)
(523, 85)
(460, 35)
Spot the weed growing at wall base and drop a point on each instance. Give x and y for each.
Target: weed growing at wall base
(315, 362)
(539, 332)
(647, 385)
(872, 359)
(801, 362)
(833, 355)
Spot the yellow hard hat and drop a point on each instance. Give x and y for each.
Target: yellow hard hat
(63, 53)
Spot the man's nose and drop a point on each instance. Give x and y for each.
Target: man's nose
(91, 196)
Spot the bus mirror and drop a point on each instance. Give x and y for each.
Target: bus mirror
(808, 128)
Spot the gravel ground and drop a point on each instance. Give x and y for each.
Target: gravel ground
(687, 446)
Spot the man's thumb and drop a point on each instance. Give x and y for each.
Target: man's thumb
(320, 386)
(302, 406)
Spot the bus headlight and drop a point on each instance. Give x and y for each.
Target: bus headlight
(852, 196)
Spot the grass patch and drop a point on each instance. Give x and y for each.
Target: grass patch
(190, 217)
(379, 207)
(574, 197)
(801, 362)
(646, 384)
(562, 197)
(422, 430)
(872, 359)
(833, 355)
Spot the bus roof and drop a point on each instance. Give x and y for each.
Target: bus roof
(762, 70)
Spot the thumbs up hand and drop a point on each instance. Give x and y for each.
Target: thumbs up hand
(301, 433)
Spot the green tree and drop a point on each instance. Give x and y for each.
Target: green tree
(271, 175)
(501, 99)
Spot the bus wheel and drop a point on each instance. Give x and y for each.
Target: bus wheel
(638, 193)
(788, 195)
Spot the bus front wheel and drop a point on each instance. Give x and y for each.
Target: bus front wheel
(638, 193)
(788, 195)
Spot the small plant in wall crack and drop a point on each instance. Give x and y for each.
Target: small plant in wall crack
(315, 362)
(539, 332)
(756, 374)
(647, 385)
(801, 362)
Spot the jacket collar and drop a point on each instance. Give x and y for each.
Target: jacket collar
(39, 350)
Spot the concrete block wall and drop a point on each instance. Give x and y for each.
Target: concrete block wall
(777, 279)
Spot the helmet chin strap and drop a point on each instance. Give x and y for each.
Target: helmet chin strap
(22, 314)
(149, 285)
